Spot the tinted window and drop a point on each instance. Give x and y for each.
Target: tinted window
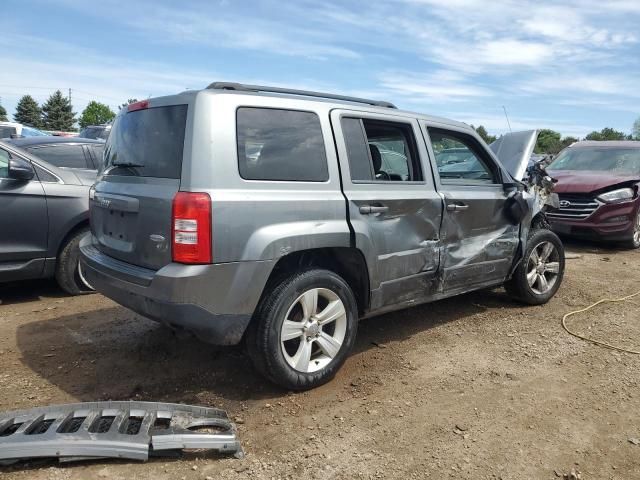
(148, 142)
(4, 164)
(43, 175)
(96, 133)
(459, 159)
(381, 150)
(71, 156)
(280, 145)
(98, 155)
(6, 132)
(357, 149)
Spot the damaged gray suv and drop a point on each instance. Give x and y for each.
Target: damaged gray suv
(279, 218)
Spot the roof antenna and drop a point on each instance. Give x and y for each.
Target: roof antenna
(507, 117)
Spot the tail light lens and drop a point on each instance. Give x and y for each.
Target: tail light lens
(191, 228)
(141, 105)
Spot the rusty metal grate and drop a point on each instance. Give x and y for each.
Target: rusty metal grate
(114, 430)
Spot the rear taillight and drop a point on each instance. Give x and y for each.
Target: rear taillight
(191, 228)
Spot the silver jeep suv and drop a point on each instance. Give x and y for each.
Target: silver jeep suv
(281, 217)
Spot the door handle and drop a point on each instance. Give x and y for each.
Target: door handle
(457, 207)
(373, 209)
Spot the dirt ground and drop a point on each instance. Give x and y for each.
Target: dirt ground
(474, 387)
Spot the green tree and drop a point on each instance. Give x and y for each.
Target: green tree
(635, 131)
(128, 102)
(57, 113)
(3, 114)
(607, 133)
(96, 113)
(484, 134)
(28, 112)
(566, 141)
(549, 141)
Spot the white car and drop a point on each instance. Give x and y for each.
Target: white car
(17, 130)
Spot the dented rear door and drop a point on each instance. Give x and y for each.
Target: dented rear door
(394, 210)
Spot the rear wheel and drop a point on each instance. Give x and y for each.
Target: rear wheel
(68, 270)
(304, 329)
(540, 272)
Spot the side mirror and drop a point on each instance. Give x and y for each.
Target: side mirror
(21, 170)
(516, 207)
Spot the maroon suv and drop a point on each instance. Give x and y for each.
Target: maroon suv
(598, 186)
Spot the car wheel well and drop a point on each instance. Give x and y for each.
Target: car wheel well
(540, 221)
(70, 234)
(347, 262)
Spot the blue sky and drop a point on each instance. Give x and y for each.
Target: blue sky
(573, 66)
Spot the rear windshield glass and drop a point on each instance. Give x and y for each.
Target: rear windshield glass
(147, 143)
(614, 160)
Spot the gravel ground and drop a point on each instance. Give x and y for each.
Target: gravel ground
(472, 387)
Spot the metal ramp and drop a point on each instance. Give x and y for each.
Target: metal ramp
(128, 430)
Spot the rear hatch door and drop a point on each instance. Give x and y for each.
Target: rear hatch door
(131, 206)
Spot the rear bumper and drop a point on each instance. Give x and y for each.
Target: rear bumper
(215, 302)
(613, 222)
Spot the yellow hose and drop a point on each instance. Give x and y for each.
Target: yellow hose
(598, 342)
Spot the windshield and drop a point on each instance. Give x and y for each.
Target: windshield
(612, 160)
(33, 132)
(147, 142)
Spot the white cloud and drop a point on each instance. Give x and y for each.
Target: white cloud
(428, 87)
(514, 52)
(471, 53)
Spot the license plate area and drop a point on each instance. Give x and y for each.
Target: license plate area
(119, 226)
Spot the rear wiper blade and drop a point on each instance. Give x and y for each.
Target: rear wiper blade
(126, 164)
(130, 165)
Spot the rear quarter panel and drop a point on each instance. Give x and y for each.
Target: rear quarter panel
(259, 220)
(67, 206)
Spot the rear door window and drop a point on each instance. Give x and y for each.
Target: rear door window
(68, 155)
(98, 155)
(381, 151)
(280, 145)
(147, 143)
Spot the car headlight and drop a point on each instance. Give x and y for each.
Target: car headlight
(615, 196)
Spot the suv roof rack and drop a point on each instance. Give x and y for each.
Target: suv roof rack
(305, 93)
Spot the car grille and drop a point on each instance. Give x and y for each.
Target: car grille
(575, 207)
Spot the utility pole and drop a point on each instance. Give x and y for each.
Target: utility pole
(69, 96)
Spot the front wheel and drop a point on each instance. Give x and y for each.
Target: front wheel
(539, 274)
(303, 329)
(634, 241)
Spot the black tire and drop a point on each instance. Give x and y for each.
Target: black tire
(634, 241)
(68, 274)
(518, 286)
(263, 342)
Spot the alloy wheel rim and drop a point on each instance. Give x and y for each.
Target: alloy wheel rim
(636, 230)
(543, 267)
(313, 330)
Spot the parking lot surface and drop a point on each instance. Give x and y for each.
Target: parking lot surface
(473, 387)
